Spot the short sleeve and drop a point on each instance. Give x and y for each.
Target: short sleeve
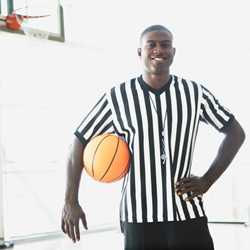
(213, 113)
(98, 121)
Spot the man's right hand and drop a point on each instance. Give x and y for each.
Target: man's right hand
(71, 215)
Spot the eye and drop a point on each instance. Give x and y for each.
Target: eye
(150, 45)
(166, 45)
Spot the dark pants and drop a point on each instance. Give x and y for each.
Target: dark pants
(192, 234)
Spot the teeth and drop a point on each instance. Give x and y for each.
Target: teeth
(158, 59)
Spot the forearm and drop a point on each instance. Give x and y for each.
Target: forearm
(74, 171)
(228, 149)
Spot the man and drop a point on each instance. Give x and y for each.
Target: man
(158, 114)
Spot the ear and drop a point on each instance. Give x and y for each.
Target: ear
(139, 52)
(174, 51)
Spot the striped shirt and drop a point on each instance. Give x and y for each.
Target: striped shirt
(160, 127)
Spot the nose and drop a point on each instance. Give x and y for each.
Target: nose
(157, 49)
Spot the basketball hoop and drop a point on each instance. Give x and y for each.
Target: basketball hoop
(39, 20)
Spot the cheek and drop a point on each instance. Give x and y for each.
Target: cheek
(171, 53)
(145, 58)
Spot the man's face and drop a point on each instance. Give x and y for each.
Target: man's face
(157, 52)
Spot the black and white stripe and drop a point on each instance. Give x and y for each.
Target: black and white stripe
(136, 112)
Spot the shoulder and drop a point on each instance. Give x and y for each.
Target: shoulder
(186, 82)
(122, 86)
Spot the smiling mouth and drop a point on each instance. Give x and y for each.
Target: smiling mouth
(158, 59)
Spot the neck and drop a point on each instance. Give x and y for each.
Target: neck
(156, 81)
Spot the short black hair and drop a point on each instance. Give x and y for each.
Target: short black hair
(153, 28)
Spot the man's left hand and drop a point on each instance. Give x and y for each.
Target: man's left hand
(194, 186)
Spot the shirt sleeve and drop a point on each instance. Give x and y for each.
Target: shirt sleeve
(98, 121)
(213, 113)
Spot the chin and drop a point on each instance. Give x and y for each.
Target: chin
(159, 71)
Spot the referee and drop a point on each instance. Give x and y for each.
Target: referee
(158, 114)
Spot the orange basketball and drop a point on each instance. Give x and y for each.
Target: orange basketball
(106, 158)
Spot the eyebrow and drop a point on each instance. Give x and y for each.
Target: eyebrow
(149, 41)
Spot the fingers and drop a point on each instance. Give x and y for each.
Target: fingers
(192, 196)
(184, 186)
(191, 186)
(77, 232)
(71, 229)
(63, 226)
(71, 216)
(84, 222)
(185, 189)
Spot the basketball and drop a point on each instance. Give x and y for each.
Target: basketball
(106, 158)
